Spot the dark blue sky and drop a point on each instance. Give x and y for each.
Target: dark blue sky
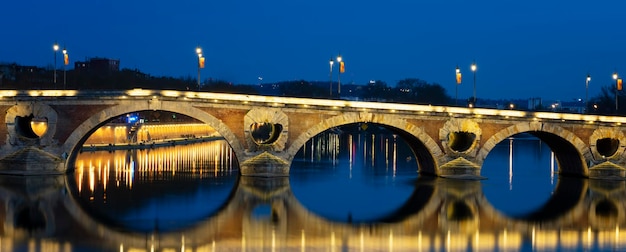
(523, 49)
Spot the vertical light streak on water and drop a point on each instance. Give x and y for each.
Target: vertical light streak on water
(386, 154)
(552, 167)
(395, 154)
(312, 148)
(510, 163)
(373, 150)
(350, 146)
(92, 180)
(364, 151)
(335, 148)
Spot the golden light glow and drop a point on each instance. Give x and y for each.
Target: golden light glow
(325, 103)
(7, 93)
(139, 92)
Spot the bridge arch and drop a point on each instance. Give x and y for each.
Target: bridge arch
(78, 136)
(569, 149)
(427, 151)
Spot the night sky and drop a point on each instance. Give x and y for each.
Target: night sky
(523, 49)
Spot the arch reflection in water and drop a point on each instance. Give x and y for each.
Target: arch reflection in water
(163, 188)
(365, 172)
(453, 215)
(521, 174)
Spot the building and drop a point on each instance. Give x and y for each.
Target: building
(98, 66)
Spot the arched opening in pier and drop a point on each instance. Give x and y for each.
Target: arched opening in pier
(152, 170)
(461, 141)
(607, 147)
(524, 169)
(30, 127)
(341, 171)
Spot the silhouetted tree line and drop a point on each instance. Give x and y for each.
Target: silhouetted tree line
(410, 90)
(604, 103)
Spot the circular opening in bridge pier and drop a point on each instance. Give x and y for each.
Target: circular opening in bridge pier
(30, 219)
(461, 141)
(265, 133)
(31, 127)
(606, 209)
(459, 211)
(607, 146)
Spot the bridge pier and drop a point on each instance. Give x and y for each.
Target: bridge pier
(607, 170)
(265, 164)
(460, 168)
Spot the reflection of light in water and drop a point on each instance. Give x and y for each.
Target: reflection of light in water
(126, 166)
(373, 151)
(351, 149)
(510, 163)
(552, 167)
(386, 154)
(395, 154)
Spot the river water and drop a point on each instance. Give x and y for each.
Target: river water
(346, 191)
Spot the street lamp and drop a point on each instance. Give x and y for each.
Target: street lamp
(616, 89)
(330, 75)
(200, 63)
(55, 47)
(339, 76)
(458, 81)
(587, 91)
(65, 62)
(474, 67)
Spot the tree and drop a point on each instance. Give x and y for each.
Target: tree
(604, 103)
(302, 88)
(377, 90)
(414, 90)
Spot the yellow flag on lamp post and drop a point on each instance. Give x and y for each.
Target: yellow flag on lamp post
(201, 62)
(458, 78)
(619, 84)
(342, 67)
(66, 59)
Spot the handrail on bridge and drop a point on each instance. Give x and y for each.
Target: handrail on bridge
(277, 101)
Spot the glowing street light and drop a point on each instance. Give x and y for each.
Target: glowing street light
(65, 62)
(55, 47)
(617, 88)
(339, 75)
(587, 91)
(474, 67)
(200, 63)
(331, 62)
(458, 82)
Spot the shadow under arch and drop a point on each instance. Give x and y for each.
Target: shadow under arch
(76, 139)
(567, 147)
(568, 194)
(108, 227)
(426, 150)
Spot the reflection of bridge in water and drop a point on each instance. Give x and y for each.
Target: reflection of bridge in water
(38, 212)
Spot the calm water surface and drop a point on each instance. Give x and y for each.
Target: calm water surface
(357, 191)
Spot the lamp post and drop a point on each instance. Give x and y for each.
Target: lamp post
(615, 78)
(199, 53)
(330, 75)
(587, 91)
(474, 67)
(55, 47)
(64, 66)
(458, 81)
(339, 77)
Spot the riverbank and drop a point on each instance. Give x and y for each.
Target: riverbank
(148, 145)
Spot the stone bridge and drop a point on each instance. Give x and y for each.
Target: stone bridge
(43, 214)
(266, 132)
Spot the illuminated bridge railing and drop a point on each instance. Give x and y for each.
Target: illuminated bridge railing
(276, 101)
